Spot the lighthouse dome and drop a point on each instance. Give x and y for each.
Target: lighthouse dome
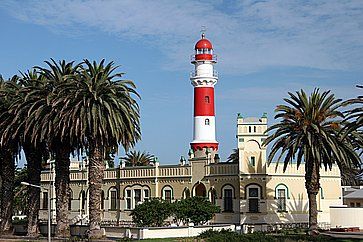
(203, 43)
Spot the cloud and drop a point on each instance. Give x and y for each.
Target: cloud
(249, 35)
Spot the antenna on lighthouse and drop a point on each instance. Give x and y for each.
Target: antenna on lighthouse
(203, 29)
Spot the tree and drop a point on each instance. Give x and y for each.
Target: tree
(197, 210)
(35, 151)
(234, 156)
(137, 158)
(355, 116)
(100, 113)
(9, 148)
(309, 132)
(151, 213)
(43, 124)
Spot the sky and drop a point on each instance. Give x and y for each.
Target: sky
(265, 49)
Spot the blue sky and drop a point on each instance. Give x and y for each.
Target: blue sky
(264, 48)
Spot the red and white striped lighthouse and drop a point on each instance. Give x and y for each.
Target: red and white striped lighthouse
(203, 78)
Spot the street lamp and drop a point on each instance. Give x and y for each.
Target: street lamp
(46, 189)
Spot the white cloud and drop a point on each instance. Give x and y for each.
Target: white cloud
(250, 36)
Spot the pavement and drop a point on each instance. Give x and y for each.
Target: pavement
(344, 235)
(10, 238)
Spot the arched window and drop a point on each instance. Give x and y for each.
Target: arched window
(112, 194)
(167, 193)
(228, 193)
(253, 196)
(281, 194)
(128, 198)
(186, 193)
(135, 195)
(206, 99)
(252, 161)
(207, 121)
(45, 200)
(249, 129)
(254, 129)
(83, 199)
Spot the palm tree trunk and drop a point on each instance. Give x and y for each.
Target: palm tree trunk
(7, 189)
(312, 185)
(95, 176)
(62, 180)
(34, 161)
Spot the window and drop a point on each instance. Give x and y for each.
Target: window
(102, 200)
(83, 200)
(113, 200)
(252, 161)
(253, 197)
(358, 205)
(281, 200)
(207, 121)
(228, 200)
(137, 193)
(281, 196)
(186, 193)
(206, 99)
(128, 199)
(168, 195)
(352, 205)
(249, 129)
(146, 195)
(213, 196)
(70, 196)
(254, 129)
(45, 200)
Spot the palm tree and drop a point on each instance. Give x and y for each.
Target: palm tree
(309, 133)
(355, 115)
(100, 113)
(43, 124)
(35, 154)
(137, 158)
(9, 148)
(234, 156)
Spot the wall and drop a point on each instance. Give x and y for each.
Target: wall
(346, 217)
(162, 232)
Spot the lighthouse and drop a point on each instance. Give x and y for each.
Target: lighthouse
(203, 78)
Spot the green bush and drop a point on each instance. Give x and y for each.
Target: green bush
(230, 236)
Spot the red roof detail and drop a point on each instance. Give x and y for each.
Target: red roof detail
(203, 44)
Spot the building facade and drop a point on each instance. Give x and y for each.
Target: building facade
(248, 191)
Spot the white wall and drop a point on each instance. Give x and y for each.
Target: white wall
(346, 217)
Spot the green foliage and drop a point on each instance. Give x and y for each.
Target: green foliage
(195, 209)
(151, 213)
(228, 235)
(309, 132)
(137, 158)
(234, 156)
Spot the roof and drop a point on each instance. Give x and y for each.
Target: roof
(355, 194)
(203, 43)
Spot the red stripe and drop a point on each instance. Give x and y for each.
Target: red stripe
(200, 146)
(203, 101)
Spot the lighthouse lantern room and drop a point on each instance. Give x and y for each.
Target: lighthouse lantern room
(203, 78)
